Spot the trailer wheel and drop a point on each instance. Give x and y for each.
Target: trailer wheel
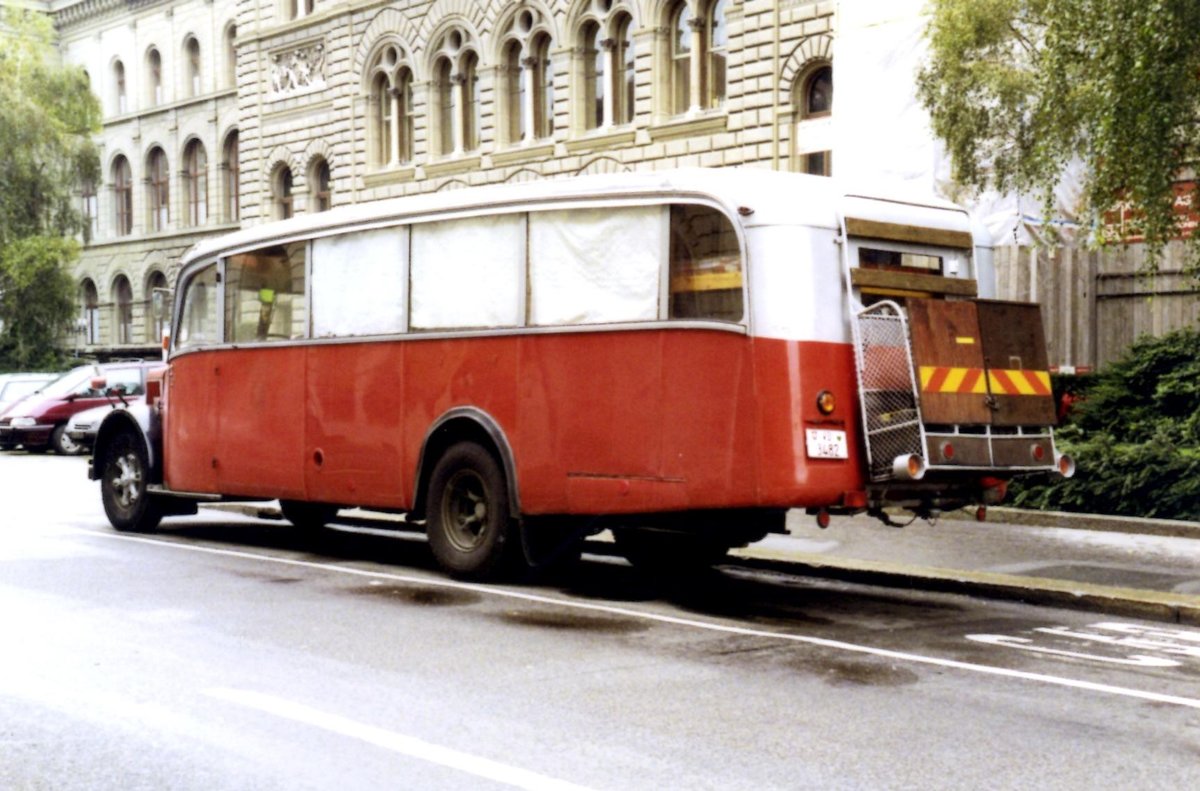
(471, 532)
(308, 516)
(123, 485)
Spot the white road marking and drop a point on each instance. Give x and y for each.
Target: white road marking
(1025, 644)
(396, 742)
(901, 656)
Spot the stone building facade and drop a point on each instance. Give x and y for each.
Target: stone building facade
(225, 113)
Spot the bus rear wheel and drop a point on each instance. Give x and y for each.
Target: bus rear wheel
(471, 533)
(124, 485)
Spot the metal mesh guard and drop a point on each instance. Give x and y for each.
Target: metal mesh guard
(889, 407)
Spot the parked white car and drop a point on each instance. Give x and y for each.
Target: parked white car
(82, 427)
(14, 387)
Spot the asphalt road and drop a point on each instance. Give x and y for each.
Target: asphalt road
(225, 653)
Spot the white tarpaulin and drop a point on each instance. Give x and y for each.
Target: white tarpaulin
(589, 266)
(883, 134)
(358, 283)
(468, 273)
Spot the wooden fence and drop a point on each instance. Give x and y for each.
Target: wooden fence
(1096, 303)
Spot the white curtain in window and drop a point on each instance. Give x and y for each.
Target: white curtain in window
(591, 266)
(468, 273)
(358, 283)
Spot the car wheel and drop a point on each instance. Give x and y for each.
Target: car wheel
(64, 445)
(308, 516)
(470, 530)
(124, 485)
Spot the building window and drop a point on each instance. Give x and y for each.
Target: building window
(698, 54)
(593, 76)
(191, 51)
(298, 9)
(196, 176)
(527, 80)
(154, 78)
(123, 299)
(322, 192)
(624, 70)
(122, 181)
(230, 56)
(157, 307)
(604, 69)
(90, 207)
(89, 323)
(159, 189)
(233, 188)
(392, 102)
(813, 108)
(456, 86)
(282, 188)
(122, 101)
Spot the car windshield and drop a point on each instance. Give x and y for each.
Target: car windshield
(69, 382)
(19, 388)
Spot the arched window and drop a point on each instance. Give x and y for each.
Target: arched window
(122, 181)
(321, 198)
(191, 53)
(196, 177)
(698, 56)
(812, 135)
(230, 56)
(392, 101)
(158, 307)
(282, 187)
(120, 97)
(527, 79)
(233, 187)
(298, 9)
(456, 120)
(593, 75)
(154, 78)
(158, 189)
(624, 71)
(123, 299)
(89, 299)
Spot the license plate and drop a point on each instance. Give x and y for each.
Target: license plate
(826, 444)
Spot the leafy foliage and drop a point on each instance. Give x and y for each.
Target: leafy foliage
(1135, 436)
(1019, 88)
(47, 118)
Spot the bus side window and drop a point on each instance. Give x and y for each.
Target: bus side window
(706, 265)
(468, 273)
(358, 283)
(264, 295)
(199, 325)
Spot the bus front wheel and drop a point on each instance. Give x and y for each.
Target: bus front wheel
(471, 533)
(123, 485)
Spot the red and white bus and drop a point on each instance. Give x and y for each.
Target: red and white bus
(680, 357)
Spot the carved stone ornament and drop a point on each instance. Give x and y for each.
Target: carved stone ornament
(297, 71)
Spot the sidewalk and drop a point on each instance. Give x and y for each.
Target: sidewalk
(1148, 568)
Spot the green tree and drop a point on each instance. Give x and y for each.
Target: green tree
(47, 118)
(1019, 88)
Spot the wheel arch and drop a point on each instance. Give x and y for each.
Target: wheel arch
(465, 424)
(137, 421)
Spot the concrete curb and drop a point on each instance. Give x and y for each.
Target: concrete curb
(1171, 528)
(1152, 605)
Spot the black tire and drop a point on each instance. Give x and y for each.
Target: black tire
(471, 532)
(125, 474)
(64, 445)
(663, 551)
(309, 517)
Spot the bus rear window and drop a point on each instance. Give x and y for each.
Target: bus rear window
(871, 258)
(706, 265)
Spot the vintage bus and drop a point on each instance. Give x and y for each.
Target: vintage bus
(680, 357)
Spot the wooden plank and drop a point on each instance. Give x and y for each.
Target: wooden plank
(911, 234)
(948, 355)
(885, 280)
(1014, 351)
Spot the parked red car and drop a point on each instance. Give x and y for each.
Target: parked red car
(38, 422)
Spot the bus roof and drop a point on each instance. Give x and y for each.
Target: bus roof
(760, 197)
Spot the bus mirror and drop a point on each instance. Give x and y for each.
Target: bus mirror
(160, 299)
